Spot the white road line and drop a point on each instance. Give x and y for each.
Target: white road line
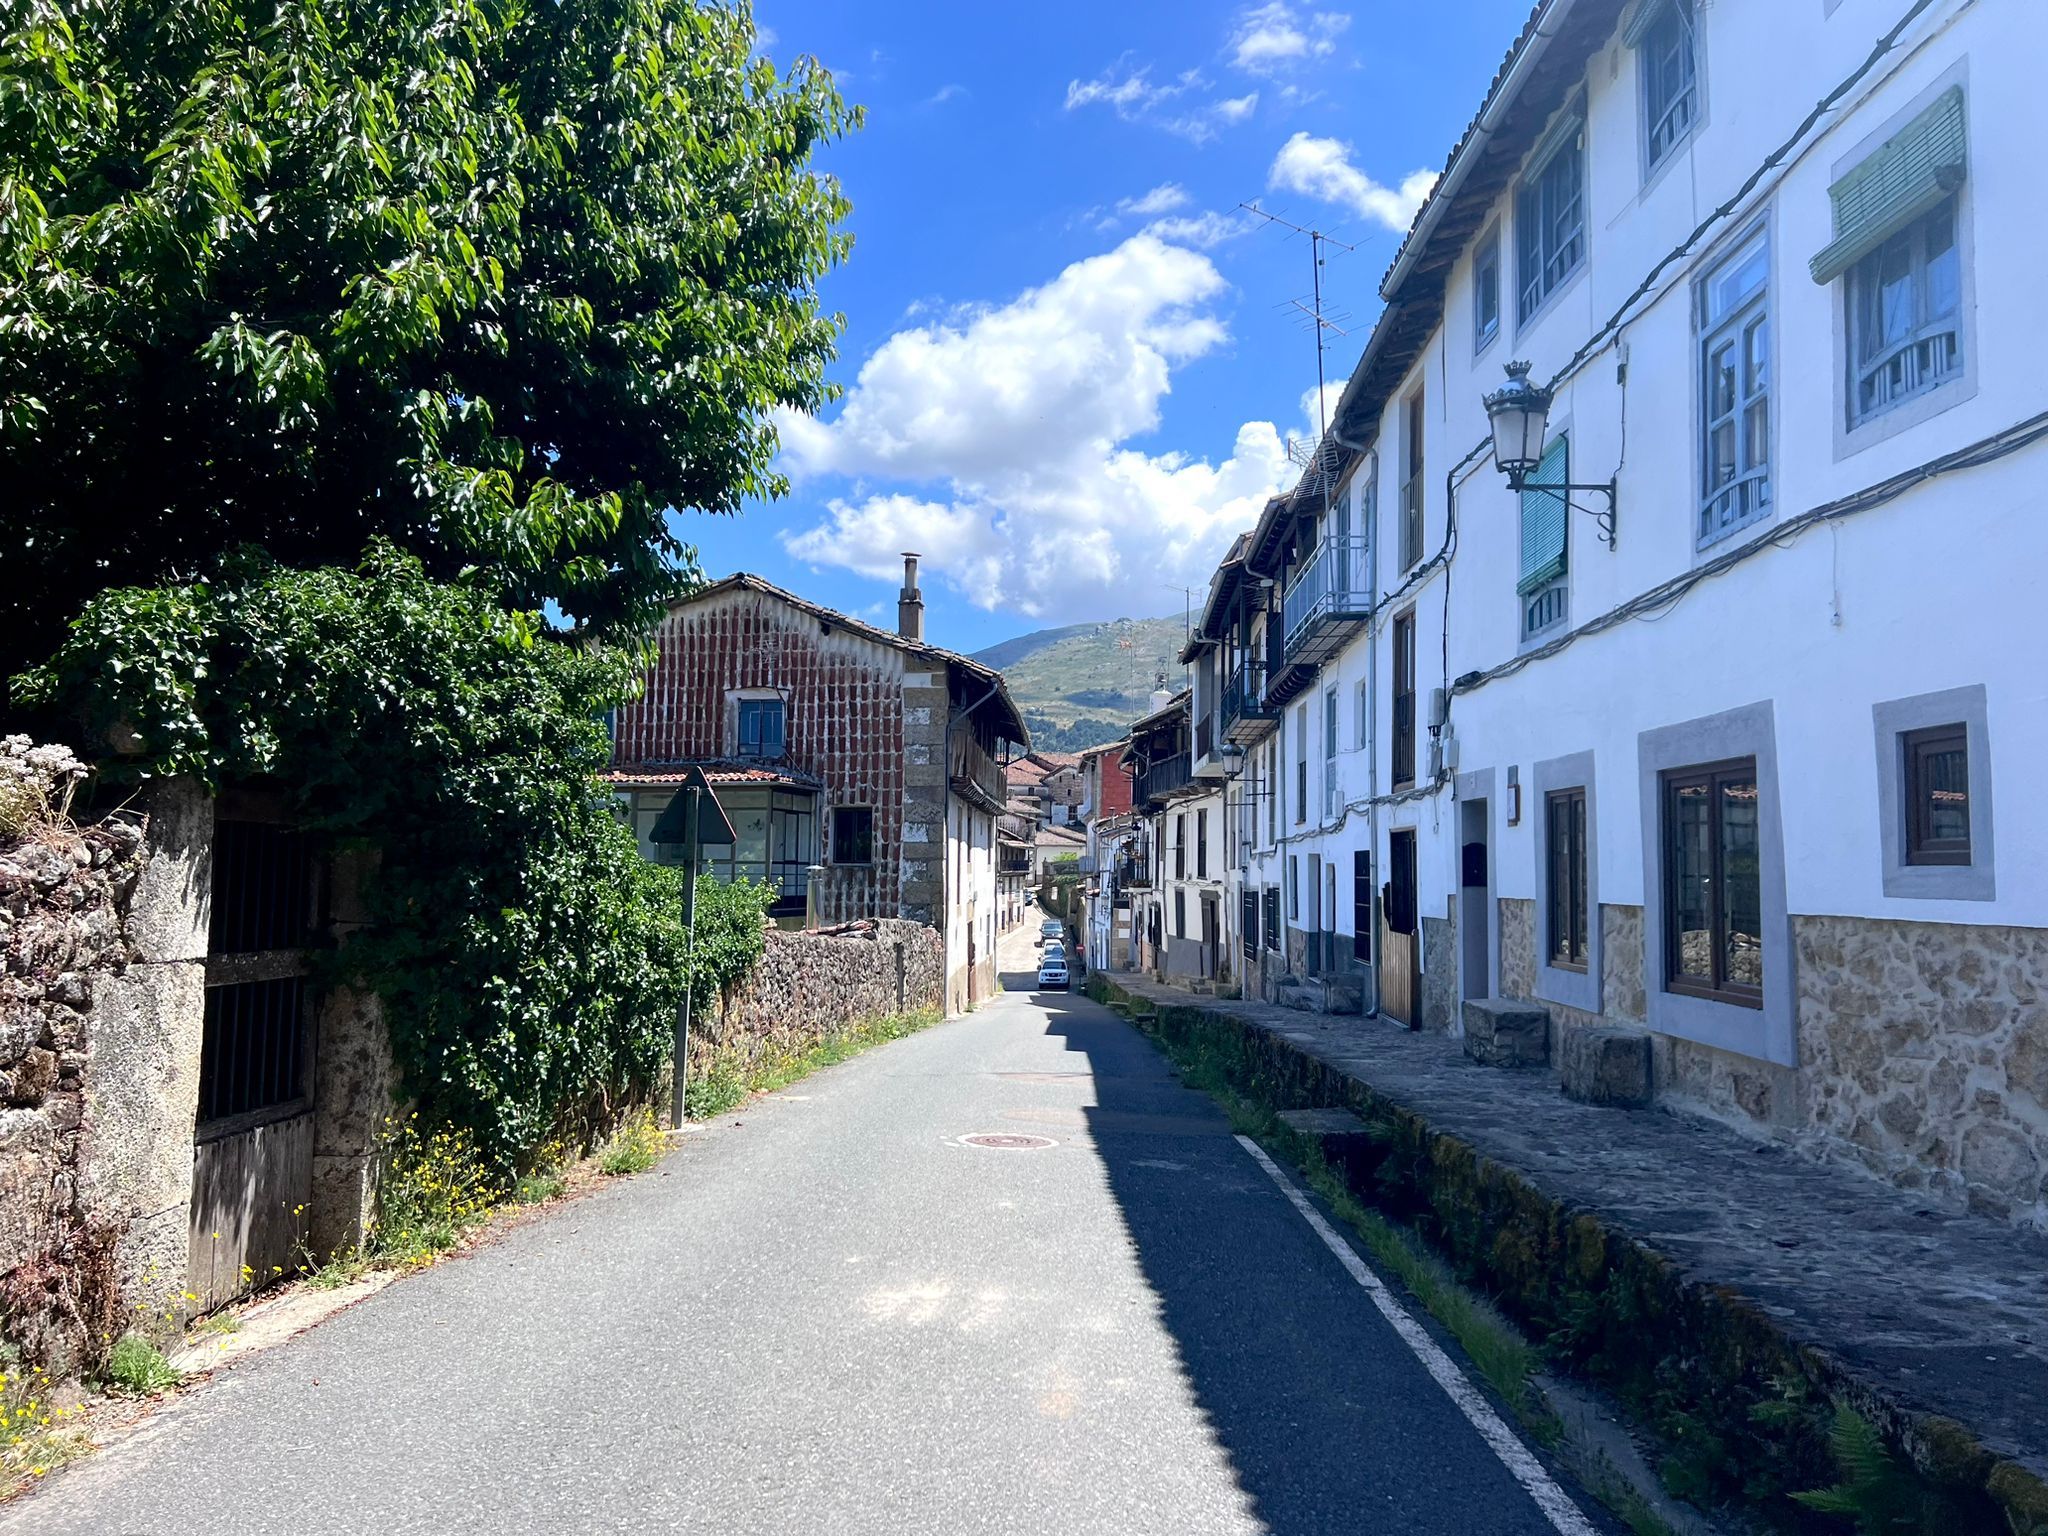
(1520, 1461)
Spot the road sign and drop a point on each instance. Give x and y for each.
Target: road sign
(673, 825)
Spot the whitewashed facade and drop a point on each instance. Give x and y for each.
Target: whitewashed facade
(1753, 779)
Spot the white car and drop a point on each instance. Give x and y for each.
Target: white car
(1052, 973)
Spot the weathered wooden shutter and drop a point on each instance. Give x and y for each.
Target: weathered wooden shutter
(1908, 175)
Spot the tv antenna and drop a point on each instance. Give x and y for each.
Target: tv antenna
(1318, 317)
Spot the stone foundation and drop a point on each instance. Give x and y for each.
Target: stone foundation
(1925, 1048)
(1439, 1002)
(1923, 1051)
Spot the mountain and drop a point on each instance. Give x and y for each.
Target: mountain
(1081, 685)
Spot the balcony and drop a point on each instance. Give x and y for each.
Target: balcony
(1165, 778)
(1246, 719)
(1134, 872)
(1329, 597)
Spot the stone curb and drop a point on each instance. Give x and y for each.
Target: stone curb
(1531, 1248)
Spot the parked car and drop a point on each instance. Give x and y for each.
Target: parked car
(1052, 972)
(1049, 930)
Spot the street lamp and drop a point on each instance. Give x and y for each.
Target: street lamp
(1520, 414)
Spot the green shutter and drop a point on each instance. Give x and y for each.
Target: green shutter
(1908, 175)
(1543, 520)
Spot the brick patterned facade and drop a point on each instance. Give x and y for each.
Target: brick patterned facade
(865, 716)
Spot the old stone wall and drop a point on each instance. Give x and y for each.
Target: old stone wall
(809, 984)
(64, 900)
(1440, 971)
(1923, 1050)
(1925, 1055)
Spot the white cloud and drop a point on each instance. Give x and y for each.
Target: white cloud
(1322, 168)
(1163, 198)
(1273, 38)
(1015, 424)
(1135, 97)
(1130, 93)
(944, 94)
(1202, 230)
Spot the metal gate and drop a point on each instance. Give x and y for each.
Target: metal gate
(252, 1157)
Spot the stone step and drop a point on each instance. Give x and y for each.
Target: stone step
(1507, 1032)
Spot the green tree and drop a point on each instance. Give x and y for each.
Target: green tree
(531, 959)
(500, 280)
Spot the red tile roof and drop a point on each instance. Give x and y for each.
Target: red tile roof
(673, 775)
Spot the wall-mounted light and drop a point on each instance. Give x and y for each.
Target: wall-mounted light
(1520, 414)
(1514, 796)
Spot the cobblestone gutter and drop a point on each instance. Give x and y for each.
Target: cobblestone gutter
(1733, 1293)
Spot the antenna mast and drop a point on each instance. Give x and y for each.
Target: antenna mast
(1311, 462)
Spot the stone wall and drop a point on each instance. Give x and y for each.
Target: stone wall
(810, 983)
(1440, 972)
(64, 901)
(1925, 1049)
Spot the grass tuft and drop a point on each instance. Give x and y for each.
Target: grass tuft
(636, 1146)
(137, 1366)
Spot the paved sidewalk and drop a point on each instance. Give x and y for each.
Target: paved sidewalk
(1938, 1313)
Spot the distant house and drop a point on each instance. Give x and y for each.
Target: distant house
(862, 769)
(1053, 781)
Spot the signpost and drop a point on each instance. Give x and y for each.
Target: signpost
(695, 819)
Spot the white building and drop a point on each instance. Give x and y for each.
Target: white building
(1740, 775)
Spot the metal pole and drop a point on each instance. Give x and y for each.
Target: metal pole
(682, 1060)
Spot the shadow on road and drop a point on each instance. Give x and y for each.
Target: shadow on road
(1329, 1422)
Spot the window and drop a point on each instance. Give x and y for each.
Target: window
(1180, 846)
(853, 834)
(1248, 921)
(1301, 763)
(1294, 887)
(1713, 904)
(1180, 914)
(759, 732)
(1329, 752)
(1544, 586)
(1411, 480)
(1664, 36)
(1735, 390)
(1565, 904)
(1272, 917)
(1486, 293)
(1905, 316)
(1937, 779)
(1550, 217)
(1403, 734)
(1201, 845)
(1361, 905)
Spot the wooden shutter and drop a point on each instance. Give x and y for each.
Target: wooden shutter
(1908, 175)
(1543, 514)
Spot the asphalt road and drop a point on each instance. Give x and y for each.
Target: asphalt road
(827, 1314)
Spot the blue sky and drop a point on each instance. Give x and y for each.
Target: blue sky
(1070, 366)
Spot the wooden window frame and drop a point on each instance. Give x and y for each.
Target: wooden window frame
(1921, 846)
(1720, 989)
(1567, 923)
(1401, 739)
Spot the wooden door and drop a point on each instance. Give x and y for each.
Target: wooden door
(1400, 946)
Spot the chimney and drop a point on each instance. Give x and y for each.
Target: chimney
(910, 602)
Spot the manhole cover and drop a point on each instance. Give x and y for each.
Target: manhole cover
(1005, 1141)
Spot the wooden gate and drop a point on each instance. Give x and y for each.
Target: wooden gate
(252, 1156)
